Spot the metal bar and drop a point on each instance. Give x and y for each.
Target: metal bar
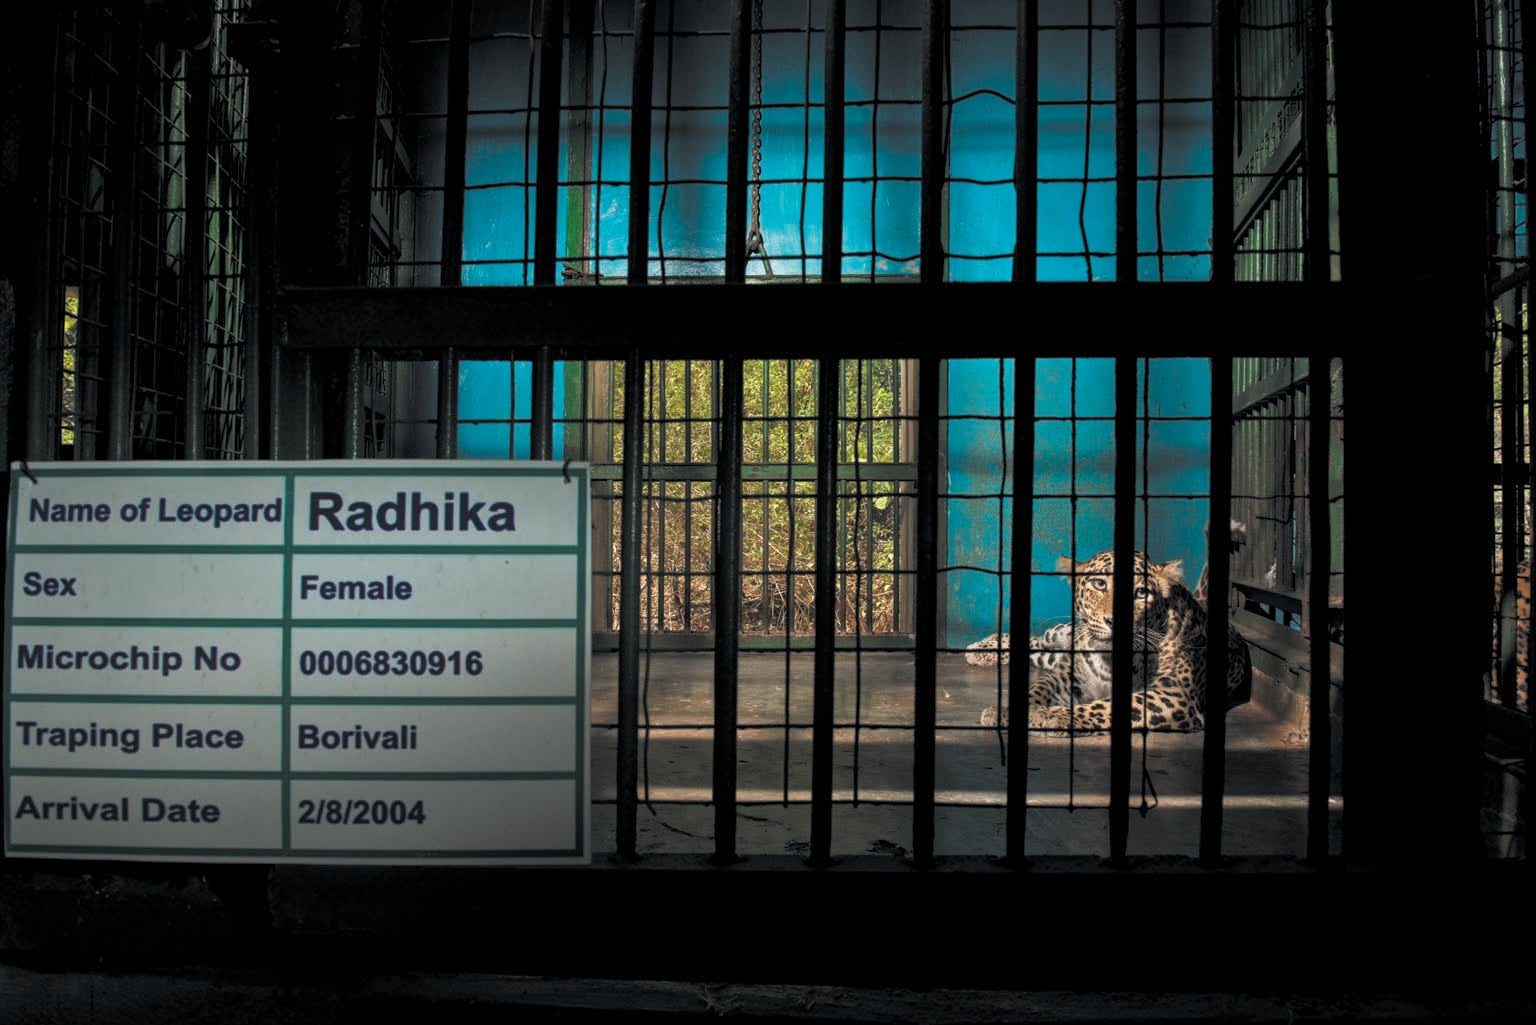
(1509, 329)
(457, 131)
(39, 293)
(1218, 565)
(925, 712)
(737, 120)
(124, 204)
(542, 429)
(360, 220)
(195, 247)
(1121, 655)
(1019, 599)
(1025, 266)
(640, 142)
(629, 616)
(935, 54)
(1315, 139)
(1026, 144)
(364, 130)
(1125, 140)
(1218, 587)
(1528, 55)
(579, 140)
(829, 372)
(1125, 436)
(727, 607)
(452, 258)
(547, 194)
(1223, 100)
(1316, 269)
(1320, 751)
(833, 122)
(897, 320)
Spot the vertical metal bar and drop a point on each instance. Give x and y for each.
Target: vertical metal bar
(456, 132)
(629, 615)
(1026, 144)
(1026, 245)
(1218, 586)
(1528, 55)
(1125, 435)
(738, 118)
(1223, 101)
(39, 297)
(546, 213)
(546, 196)
(935, 54)
(124, 204)
(364, 131)
(835, 82)
(727, 602)
(1125, 141)
(930, 271)
(1319, 754)
(1121, 655)
(633, 404)
(1218, 566)
(1019, 596)
(39, 315)
(640, 142)
(1314, 125)
(925, 712)
(360, 221)
(1317, 273)
(451, 267)
(1509, 347)
(828, 373)
(195, 246)
(541, 430)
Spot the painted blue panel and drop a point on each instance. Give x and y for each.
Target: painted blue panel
(1074, 460)
(1074, 480)
(486, 392)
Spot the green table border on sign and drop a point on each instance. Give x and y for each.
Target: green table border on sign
(291, 473)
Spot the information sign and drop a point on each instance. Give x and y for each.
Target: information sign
(380, 662)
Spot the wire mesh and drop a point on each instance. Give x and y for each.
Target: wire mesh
(415, 184)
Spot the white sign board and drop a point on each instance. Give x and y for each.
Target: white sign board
(366, 662)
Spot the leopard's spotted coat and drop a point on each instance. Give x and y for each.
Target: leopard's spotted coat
(1069, 674)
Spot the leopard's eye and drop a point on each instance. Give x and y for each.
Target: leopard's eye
(1142, 592)
(1098, 583)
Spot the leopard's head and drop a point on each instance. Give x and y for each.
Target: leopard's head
(1093, 595)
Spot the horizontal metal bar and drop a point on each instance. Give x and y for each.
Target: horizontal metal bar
(1272, 386)
(703, 642)
(766, 472)
(895, 320)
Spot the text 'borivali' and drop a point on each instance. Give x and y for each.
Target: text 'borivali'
(411, 511)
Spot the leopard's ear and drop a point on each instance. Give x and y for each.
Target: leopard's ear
(1169, 572)
(1064, 564)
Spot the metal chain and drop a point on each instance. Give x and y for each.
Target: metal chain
(755, 230)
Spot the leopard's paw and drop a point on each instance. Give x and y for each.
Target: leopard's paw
(1050, 717)
(991, 717)
(989, 651)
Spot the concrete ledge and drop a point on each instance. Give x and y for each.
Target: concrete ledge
(30, 996)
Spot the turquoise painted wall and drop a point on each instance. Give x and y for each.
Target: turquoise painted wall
(1074, 461)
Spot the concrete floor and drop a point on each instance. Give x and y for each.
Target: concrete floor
(1265, 805)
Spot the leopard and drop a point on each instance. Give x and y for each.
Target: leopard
(1511, 638)
(993, 649)
(1070, 682)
